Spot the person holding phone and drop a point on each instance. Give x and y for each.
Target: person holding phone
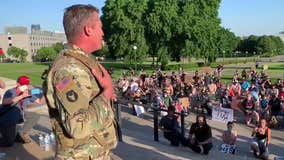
(15, 120)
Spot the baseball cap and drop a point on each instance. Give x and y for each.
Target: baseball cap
(23, 80)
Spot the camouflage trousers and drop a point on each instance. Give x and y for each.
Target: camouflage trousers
(105, 156)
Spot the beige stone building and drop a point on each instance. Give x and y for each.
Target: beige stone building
(31, 42)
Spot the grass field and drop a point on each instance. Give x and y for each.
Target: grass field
(14, 70)
(34, 71)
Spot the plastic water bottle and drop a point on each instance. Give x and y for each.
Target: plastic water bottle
(41, 142)
(2, 155)
(46, 143)
(52, 138)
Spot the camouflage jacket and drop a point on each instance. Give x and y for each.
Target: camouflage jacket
(81, 117)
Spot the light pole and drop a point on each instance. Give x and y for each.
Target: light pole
(236, 57)
(135, 48)
(223, 56)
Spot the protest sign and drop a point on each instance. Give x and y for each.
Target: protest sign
(222, 114)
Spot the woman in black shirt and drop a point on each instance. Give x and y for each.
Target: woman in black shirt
(261, 140)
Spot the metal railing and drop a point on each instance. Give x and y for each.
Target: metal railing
(155, 119)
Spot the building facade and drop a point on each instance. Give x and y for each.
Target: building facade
(31, 42)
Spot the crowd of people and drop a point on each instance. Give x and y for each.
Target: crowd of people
(261, 102)
(250, 92)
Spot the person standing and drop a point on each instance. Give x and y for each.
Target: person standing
(79, 91)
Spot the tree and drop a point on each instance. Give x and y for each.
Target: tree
(49, 53)
(180, 28)
(58, 47)
(45, 54)
(160, 22)
(18, 53)
(269, 44)
(227, 41)
(102, 52)
(123, 28)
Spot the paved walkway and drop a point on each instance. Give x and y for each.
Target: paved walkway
(138, 141)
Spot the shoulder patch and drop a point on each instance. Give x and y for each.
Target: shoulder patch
(64, 84)
(71, 96)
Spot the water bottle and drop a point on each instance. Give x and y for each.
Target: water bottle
(46, 143)
(41, 142)
(52, 138)
(2, 155)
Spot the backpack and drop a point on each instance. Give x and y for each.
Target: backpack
(62, 113)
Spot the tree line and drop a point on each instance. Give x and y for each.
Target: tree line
(174, 29)
(44, 54)
(167, 30)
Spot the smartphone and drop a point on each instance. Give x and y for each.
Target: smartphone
(35, 91)
(23, 88)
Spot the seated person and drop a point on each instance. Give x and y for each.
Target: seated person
(276, 105)
(202, 136)
(261, 140)
(169, 125)
(229, 138)
(249, 110)
(167, 99)
(133, 87)
(264, 109)
(225, 101)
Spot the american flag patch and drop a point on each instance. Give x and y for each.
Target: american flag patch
(63, 84)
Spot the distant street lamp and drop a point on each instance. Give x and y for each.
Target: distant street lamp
(236, 56)
(223, 56)
(135, 48)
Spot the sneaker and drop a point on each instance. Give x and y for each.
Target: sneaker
(255, 153)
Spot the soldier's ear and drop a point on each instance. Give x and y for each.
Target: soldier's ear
(88, 30)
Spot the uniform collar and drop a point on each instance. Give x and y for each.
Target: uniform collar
(76, 49)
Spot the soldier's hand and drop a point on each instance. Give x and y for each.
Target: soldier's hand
(105, 82)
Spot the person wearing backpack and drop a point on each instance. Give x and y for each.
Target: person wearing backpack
(79, 91)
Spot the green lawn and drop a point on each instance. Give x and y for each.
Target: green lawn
(34, 71)
(14, 70)
(275, 71)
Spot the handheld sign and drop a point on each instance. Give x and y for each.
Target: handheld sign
(222, 114)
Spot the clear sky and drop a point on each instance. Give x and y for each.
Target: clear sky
(243, 17)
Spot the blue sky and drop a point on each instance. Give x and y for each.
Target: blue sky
(243, 17)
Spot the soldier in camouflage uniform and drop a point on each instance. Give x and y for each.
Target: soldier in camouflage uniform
(79, 91)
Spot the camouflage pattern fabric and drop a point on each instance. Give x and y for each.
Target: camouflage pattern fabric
(81, 117)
